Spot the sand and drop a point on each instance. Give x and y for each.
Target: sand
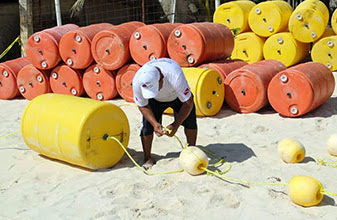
(34, 187)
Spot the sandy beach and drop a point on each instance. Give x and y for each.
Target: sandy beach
(34, 187)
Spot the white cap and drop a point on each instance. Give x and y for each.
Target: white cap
(149, 81)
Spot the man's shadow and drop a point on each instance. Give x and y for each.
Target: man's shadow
(230, 152)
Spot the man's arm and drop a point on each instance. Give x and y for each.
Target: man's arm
(148, 115)
(185, 110)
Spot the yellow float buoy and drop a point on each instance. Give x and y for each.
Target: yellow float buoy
(248, 47)
(234, 15)
(305, 191)
(290, 150)
(207, 88)
(285, 48)
(192, 159)
(325, 52)
(334, 21)
(269, 17)
(308, 21)
(75, 130)
(332, 144)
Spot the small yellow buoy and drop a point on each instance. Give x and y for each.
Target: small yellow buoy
(234, 15)
(75, 130)
(285, 48)
(332, 144)
(325, 52)
(248, 47)
(192, 159)
(269, 17)
(305, 191)
(308, 21)
(290, 150)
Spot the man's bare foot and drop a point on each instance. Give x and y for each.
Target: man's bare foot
(148, 164)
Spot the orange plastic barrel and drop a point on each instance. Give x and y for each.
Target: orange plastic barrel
(8, 74)
(225, 68)
(43, 47)
(300, 89)
(33, 82)
(192, 44)
(124, 81)
(75, 46)
(246, 88)
(149, 42)
(99, 83)
(110, 48)
(65, 80)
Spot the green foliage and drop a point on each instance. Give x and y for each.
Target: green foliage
(235, 31)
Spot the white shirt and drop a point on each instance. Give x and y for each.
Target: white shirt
(174, 83)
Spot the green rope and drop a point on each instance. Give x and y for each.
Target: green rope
(9, 47)
(243, 182)
(135, 163)
(7, 135)
(324, 162)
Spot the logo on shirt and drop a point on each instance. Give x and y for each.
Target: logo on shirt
(186, 91)
(147, 85)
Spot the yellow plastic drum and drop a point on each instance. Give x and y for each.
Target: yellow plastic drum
(308, 21)
(270, 17)
(234, 15)
(334, 21)
(285, 48)
(325, 52)
(248, 47)
(207, 88)
(74, 130)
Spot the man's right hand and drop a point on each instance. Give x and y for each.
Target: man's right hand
(158, 129)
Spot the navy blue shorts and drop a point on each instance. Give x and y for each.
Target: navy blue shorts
(158, 109)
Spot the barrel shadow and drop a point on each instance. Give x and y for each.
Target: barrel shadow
(226, 111)
(328, 109)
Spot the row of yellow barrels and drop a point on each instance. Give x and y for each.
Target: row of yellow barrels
(307, 22)
(114, 46)
(272, 30)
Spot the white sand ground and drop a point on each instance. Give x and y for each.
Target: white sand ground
(33, 187)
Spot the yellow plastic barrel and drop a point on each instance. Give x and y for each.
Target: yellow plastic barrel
(207, 88)
(325, 52)
(75, 130)
(248, 47)
(308, 21)
(270, 17)
(285, 48)
(334, 21)
(234, 15)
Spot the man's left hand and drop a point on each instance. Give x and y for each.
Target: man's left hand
(173, 130)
